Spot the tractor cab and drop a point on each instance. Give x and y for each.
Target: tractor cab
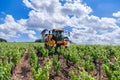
(58, 34)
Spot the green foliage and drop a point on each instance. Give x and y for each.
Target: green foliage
(107, 71)
(51, 50)
(33, 59)
(43, 51)
(80, 75)
(73, 76)
(56, 64)
(10, 54)
(42, 73)
(39, 72)
(89, 66)
(5, 71)
(82, 55)
(71, 54)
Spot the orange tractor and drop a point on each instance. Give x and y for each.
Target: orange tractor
(55, 37)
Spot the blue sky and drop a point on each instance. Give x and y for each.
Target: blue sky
(14, 7)
(103, 8)
(31, 18)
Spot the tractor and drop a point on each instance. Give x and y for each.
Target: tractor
(55, 37)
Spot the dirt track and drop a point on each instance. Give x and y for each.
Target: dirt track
(22, 70)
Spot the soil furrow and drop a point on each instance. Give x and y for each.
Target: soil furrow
(22, 70)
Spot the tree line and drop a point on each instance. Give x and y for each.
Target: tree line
(2, 40)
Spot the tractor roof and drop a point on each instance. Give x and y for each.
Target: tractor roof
(58, 30)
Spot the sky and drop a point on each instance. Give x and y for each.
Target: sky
(88, 21)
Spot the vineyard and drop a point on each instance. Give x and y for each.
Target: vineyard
(31, 61)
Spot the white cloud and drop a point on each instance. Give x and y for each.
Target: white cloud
(32, 37)
(93, 30)
(76, 9)
(116, 14)
(31, 34)
(11, 28)
(27, 3)
(50, 14)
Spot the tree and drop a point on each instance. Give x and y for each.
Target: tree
(2, 40)
(39, 40)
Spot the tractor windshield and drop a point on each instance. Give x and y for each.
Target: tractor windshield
(58, 35)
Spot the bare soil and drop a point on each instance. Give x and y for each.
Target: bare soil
(22, 70)
(98, 72)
